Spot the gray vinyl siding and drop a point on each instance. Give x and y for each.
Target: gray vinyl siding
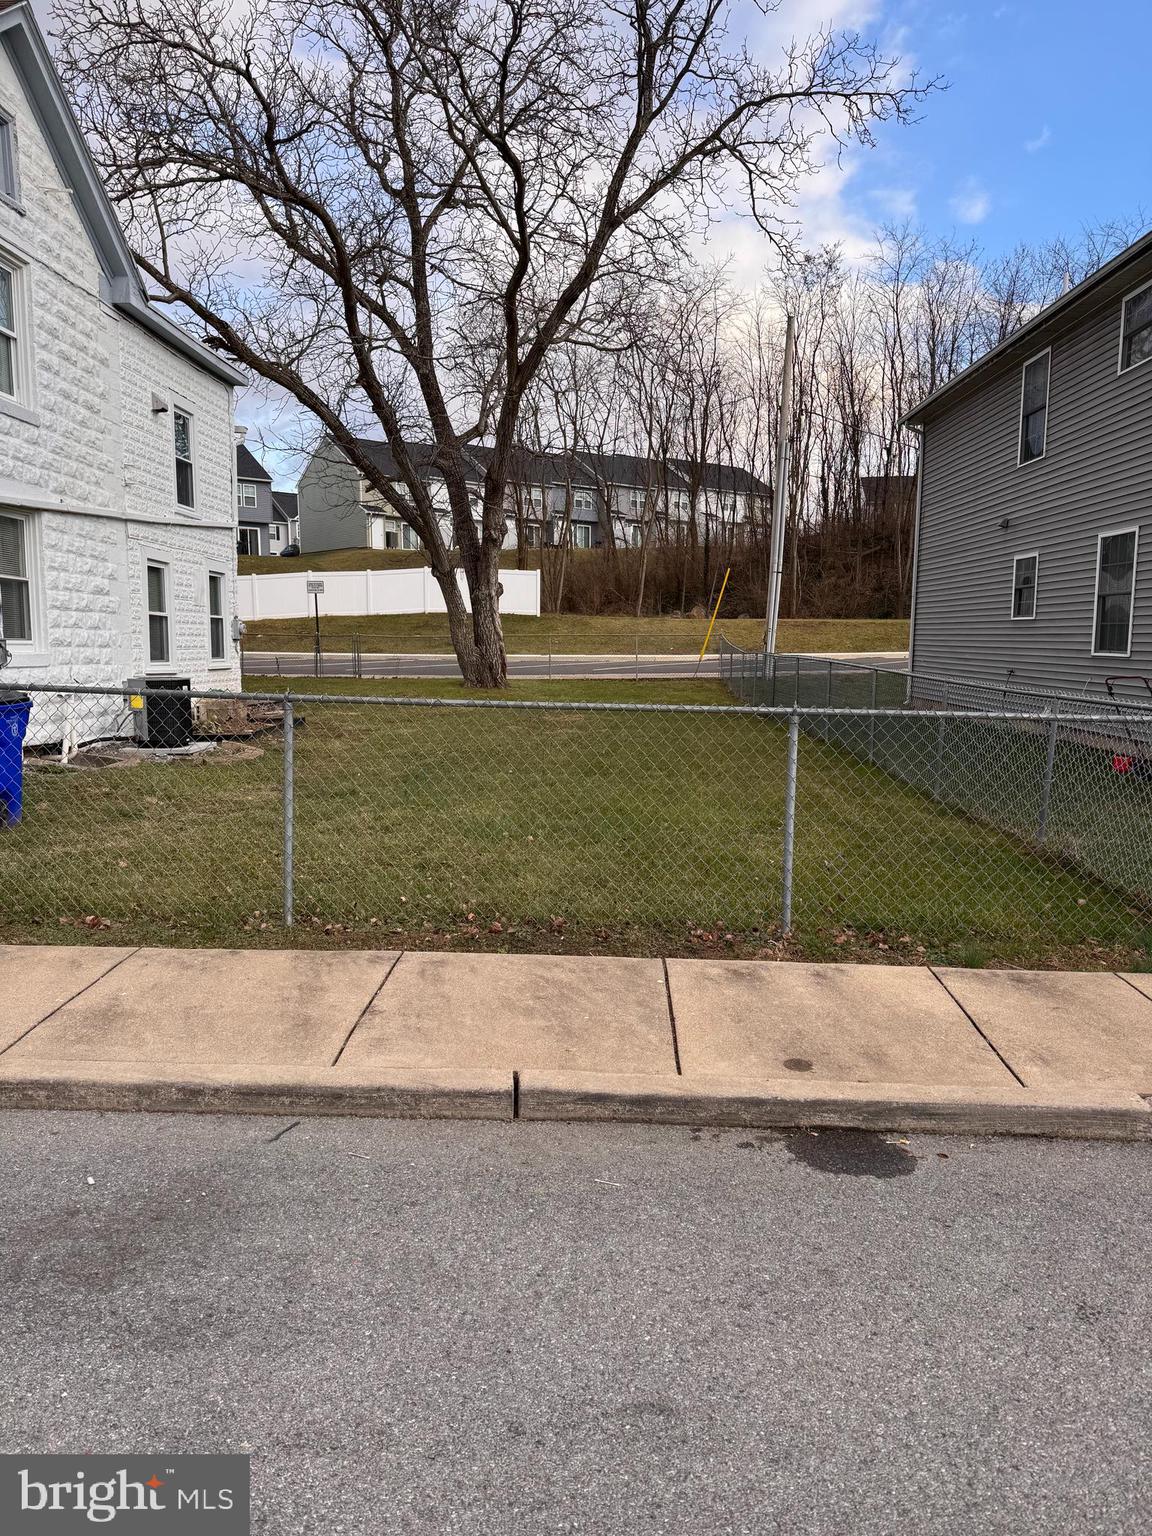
(330, 515)
(1096, 476)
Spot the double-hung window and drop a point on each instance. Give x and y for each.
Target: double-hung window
(158, 646)
(10, 379)
(185, 478)
(15, 584)
(1115, 589)
(1136, 329)
(1024, 573)
(1034, 408)
(216, 635)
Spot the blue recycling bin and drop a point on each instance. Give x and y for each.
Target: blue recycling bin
(14, 714)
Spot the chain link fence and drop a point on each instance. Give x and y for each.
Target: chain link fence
(205, 816)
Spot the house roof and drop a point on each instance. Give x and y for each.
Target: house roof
(287, 503)
(1106, 285)
(622, 470)
(24, 43)
(249, 467)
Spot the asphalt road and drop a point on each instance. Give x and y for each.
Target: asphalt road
(337, 664)
(546, 1328)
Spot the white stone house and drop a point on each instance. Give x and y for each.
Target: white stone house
(117, 495)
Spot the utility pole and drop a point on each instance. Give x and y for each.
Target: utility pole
(780, 494)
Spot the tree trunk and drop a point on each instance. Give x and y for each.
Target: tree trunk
(477, 638)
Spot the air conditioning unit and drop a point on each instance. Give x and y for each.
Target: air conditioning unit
(161, 710)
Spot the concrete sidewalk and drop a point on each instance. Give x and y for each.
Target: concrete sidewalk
(568, 1037)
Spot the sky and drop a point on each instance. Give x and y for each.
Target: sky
(1043, 126)
(1041, 129)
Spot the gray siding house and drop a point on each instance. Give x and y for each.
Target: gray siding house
(1033, 563)
(580, 498)
(263, 527)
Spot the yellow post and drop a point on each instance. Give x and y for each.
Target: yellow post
(715, 611)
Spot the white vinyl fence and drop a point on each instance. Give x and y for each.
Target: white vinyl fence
(362, 592)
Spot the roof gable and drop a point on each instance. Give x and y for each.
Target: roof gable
(24, 43)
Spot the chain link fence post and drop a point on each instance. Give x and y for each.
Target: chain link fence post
(789, 822)
(289, 809)
(1046, 789)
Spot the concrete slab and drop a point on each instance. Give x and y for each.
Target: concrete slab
(1006, 1111)
(845, 1023)
(518, 1011)
(1059, 1027)
(260, 1090)
(35, 979)
(214, 1007)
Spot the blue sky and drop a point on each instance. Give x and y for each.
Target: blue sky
(1044, 125)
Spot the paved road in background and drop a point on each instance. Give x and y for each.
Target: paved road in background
(301, 664)
(431, 1327)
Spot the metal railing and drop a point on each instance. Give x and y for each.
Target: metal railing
(635, 826)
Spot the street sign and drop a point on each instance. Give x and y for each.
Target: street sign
(315, 588)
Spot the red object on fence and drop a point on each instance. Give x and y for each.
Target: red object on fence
(1121, 763)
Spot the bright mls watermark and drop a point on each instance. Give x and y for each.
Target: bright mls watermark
(153, 1494)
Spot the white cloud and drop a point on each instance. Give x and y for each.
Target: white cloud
(970, 203)
(1043, 138)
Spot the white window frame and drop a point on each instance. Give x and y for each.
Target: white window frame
(246, 498)
(179, 409)
(1128, 297)
(21, 356)
(577, 528)
(154, 562)
(243, 528)
(25, 651)
(1021, 461)
(1032, 554)
(533, 531)
(8, 136)
(1113, 533)
(221, 660)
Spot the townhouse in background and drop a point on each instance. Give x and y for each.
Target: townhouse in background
(117, 502)
(553, 497)
(1032, 565)
(266, 518)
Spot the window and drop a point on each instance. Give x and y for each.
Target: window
(536, 500)
(1034, 408)
(1115, 585)
(10, 381)
(636, 503)
(15, 586)
(157, 612)
(532, 535)
(409, 538)
(637, 535)
(1136, 329)
(216, 615)
(185, 485)
(248, 540)
(1024, 570)
(582, 535)
(245, 493)
(9, 185)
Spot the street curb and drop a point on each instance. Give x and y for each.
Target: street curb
(391, 1092)
(1115, 1114)
(484, 1094)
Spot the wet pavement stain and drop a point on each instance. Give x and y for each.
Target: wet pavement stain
(860, 1154)
(796, 1064)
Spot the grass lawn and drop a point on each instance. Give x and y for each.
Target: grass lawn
(577, 634)
(614, 832)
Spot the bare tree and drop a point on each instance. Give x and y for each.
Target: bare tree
(393, 210)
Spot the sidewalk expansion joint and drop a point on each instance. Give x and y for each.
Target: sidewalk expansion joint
(356, 1021)
(672, 1018)
(1000, 1057)
(115, 966)
(515, 1095)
